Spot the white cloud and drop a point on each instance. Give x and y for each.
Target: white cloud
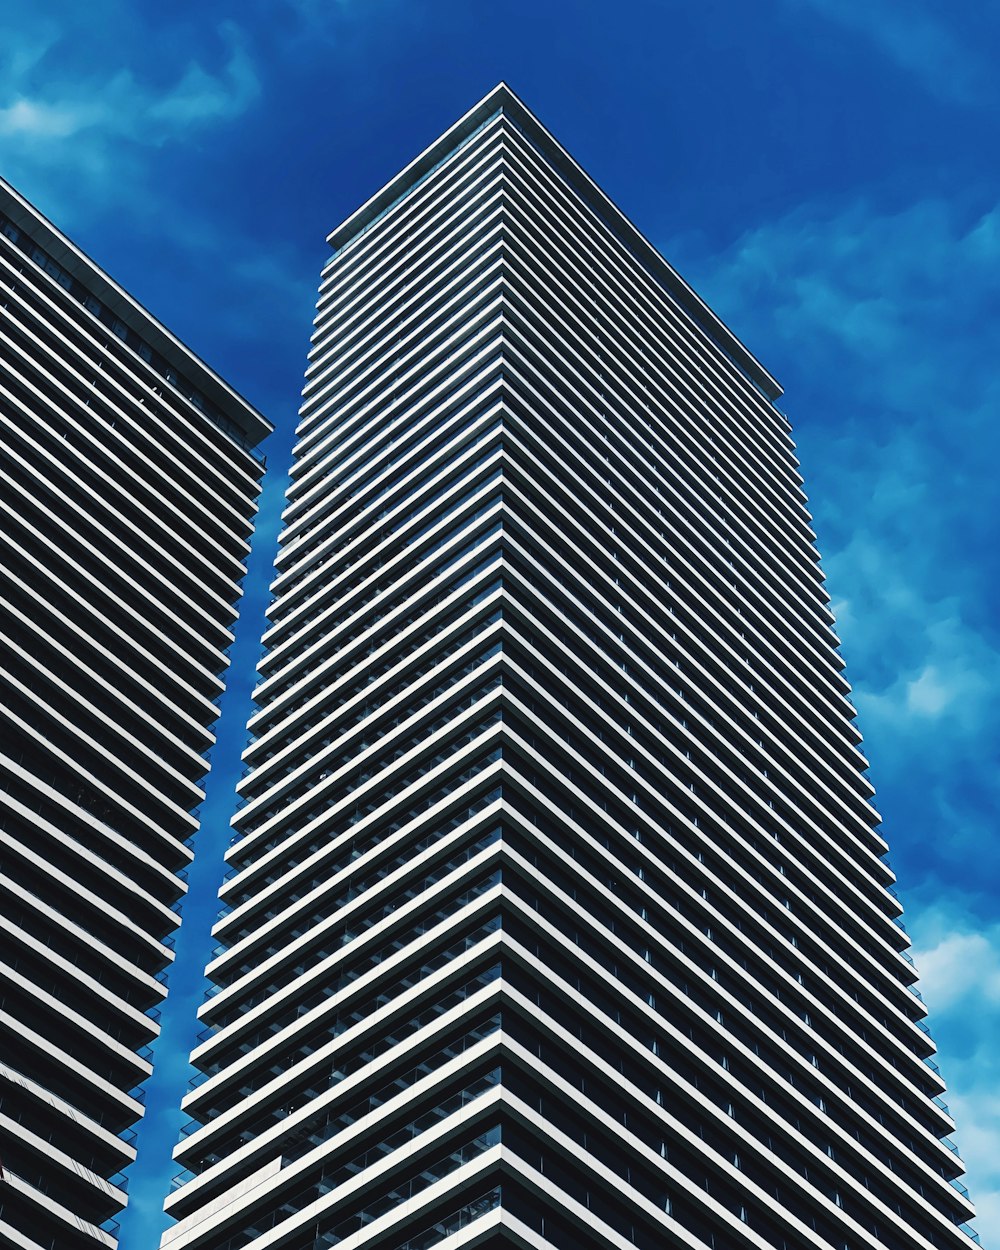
(929, 694)
(960, 979)
(38, 120)
(960, 966)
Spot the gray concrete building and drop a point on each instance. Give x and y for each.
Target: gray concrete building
(558, 915)
(128, 480)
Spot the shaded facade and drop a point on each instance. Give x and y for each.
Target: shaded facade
(558, 914)
(128, 482)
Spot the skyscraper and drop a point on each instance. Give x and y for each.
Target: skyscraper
(558, 915)
(128, 485)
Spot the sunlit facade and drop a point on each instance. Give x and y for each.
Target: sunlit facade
(128, 481)
(557, 915)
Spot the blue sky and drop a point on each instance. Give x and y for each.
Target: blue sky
(824, 172)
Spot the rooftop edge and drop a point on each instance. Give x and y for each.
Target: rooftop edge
(79, 265)
(503, 99)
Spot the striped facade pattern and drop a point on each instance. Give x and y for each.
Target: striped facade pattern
(127, 483)
(557, 915)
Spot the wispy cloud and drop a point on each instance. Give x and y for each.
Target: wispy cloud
(873, 320)
(69, 118)
(199, 96)
(122, 105)
(919, 41)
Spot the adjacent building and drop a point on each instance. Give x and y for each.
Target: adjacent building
(558, 915)
(128, 480)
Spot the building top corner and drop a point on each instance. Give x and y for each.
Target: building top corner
(252, 424)
(503, 100)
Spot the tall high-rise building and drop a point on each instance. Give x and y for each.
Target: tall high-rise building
(557, 914)
(127, 480)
